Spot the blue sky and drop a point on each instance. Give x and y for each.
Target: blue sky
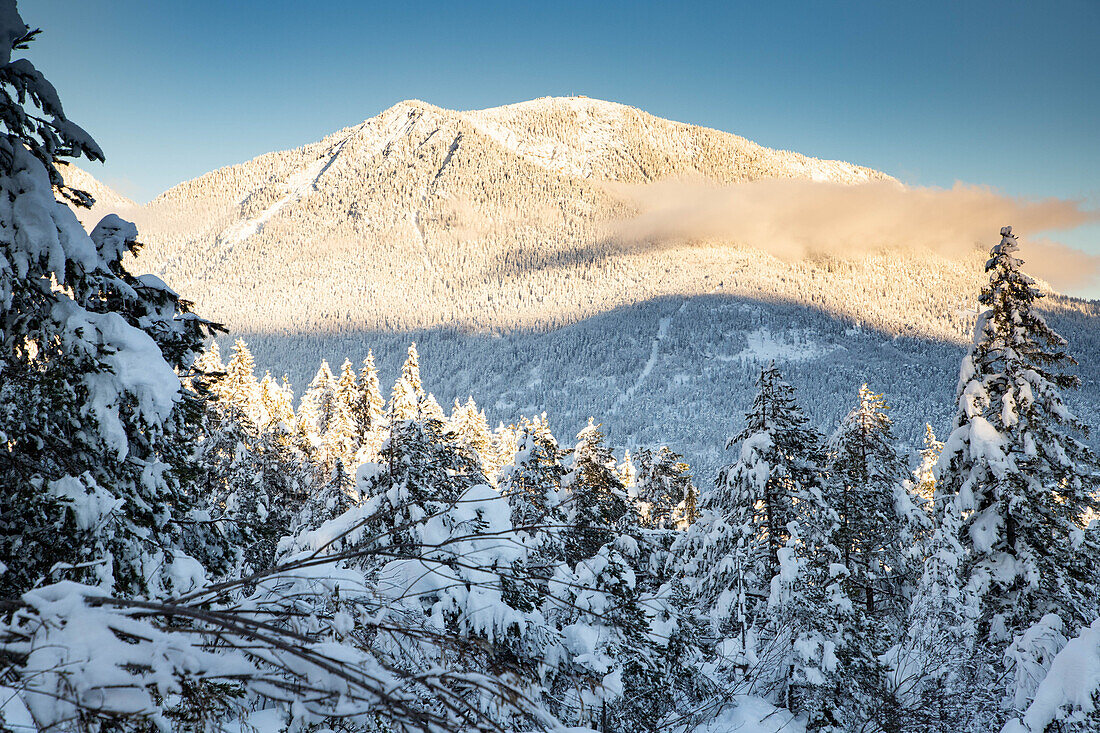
(1005, 94)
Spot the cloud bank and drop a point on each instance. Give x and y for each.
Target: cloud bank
(794, 219)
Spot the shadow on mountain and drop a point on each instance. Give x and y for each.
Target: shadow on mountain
(522, 261)
(679, 371)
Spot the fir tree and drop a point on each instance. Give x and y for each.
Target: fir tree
(346, 388)
(877, 517)
(1020, 479)
(878, 528)
(925, 474)
(430, 409)
(780, 464)
(95, 451)
(628, 473)
(471, 428)
(318, 403)
(597, 503)
(1022, 485)
(210, 360)
(502, 449)
(664, 488)
(408, 392)
(370, 411)
(423, 474)
(410, 372)
(239, 385)
(532, 486)
(256, 478)
(277, 404)
(332, 499)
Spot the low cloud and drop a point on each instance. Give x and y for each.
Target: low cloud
(794, 219)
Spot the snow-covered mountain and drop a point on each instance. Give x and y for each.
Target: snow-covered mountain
(107, 200)
(429, 218)
(491, 237)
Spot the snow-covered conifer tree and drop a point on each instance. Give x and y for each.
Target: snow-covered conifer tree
(370, 411)
(210, 360)
(925, 474)
(877, 538)
(239, 386)
(421, 474)
(597, 502)
(779, 466)
(757, 560)
(96, 432)
(532, 485)
(430, 409)
(408, 392)
(410, 371)
(278, 405)
(877, 516)
(502, 449)
(332, 499)
(664, 488)
(346, 388)
(628, 473)
(1023, 485)
(318, 402)
(471, 428)
(1021, 480)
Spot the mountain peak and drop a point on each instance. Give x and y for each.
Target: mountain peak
(411, 105)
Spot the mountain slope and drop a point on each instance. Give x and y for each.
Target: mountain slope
(107, 200)
(491, 236)
(496, 219)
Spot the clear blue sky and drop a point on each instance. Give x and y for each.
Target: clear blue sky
(1001, 93)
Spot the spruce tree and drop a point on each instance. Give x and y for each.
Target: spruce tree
(318, 403)
(532, 486)
(1022, 482)
(346, 388)
(256, 477)
(332, 499)
(597, 504)
(96, 434)
(779, 465)
(469, 426)
(664, 488)
(628, 473)
(277, 403)
(408, 392)
(502, 449)
(410, 371)
(878, 519)
(759, 561)
(430, 409)
(925, 474)
(239, 384)
(370, 411)
(879, 528)
(1023, 486)
(422, 473)
(210, 360)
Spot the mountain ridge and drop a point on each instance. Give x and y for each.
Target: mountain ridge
(490, 237)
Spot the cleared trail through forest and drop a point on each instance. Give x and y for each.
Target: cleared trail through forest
(654, 352)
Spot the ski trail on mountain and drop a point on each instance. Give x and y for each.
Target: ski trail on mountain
(654, 352)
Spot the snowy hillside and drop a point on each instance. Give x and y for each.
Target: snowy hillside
(107, 200)
(490, 238)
